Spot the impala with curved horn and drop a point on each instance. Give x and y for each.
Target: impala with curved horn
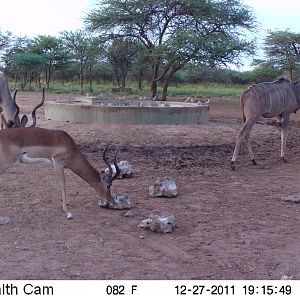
(56, 148)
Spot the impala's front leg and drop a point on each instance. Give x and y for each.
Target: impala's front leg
(59, 168)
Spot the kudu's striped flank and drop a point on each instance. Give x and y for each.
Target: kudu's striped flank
(270, 99)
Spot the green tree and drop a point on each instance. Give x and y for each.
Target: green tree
(282, 49)
(95, 51)
(121, 54)
(52, 49)
(77, 42)
(26, 65)
(176, 32)
(264, 71)
(16, 45)
(5, 38)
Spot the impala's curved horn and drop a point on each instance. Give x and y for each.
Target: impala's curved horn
(116, 166)
(106, 161)
(110, 173)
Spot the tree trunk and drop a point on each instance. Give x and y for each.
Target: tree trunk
(140, 79)
(155, 68)
(81, 77)
(123, 82)
(153, 88)
(165, 89)
(90, 80)
(47, 75)
(39, 80)
(23, 81)
(291, 75)
(118, 79)
(166, 81)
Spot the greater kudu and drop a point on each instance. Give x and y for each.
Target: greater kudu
(9, 109)
(270, 99)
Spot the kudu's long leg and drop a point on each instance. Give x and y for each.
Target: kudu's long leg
(252, 156)
(244, 133)
(59, 169)
(284, 128)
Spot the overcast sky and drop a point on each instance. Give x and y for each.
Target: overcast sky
(43, 17)
(50, 17)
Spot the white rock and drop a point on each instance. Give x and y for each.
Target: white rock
(163, 188)
(4, 220)
(116, 202)
(292, 198)
(286, 277)
(162, 224)
(126, 170)
(69, 216)
(129, 214)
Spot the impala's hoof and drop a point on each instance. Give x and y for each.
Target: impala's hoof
(254, 163)
(69, 216)
(233, 165)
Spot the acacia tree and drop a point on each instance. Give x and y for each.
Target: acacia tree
(5, 38)
(26, 66)
(51, 48)
(94, 53)
(15, 45)
(282, 49)
(77, 42)
(121, 54)
(175, 32)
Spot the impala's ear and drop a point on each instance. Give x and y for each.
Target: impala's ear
(101, 145)
(105, 178)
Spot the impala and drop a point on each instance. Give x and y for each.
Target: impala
(56, 148)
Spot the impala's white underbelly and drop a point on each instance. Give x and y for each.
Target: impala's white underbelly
(26, 159)
(40, 154)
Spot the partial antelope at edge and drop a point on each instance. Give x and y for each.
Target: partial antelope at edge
(270, 99)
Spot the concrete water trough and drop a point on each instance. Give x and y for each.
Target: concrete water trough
(102, 111)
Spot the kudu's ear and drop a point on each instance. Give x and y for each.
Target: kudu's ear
(24, 121)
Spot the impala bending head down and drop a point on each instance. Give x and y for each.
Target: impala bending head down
(57, 148)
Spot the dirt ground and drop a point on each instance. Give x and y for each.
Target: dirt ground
(229, 224)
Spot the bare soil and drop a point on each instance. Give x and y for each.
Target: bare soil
(229, 224)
